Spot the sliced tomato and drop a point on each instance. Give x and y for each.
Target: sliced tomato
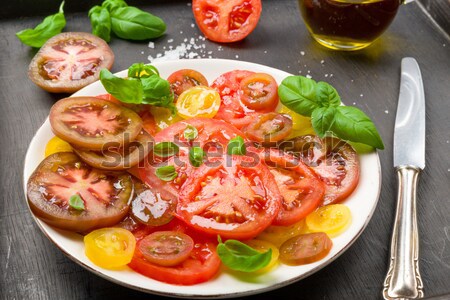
(92, 123)
(198, 101)
(105, 195)
(335, 161)
(269, 128)
(260, 92)
(237, 199)
(305, 248)
(226, 21)
(69, 61)
(301, 190)
(201, 265)
(184, 79)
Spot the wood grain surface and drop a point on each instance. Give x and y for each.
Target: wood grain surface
(33, 268)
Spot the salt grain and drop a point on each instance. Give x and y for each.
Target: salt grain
(237, 56)
(151, 45)
(361, 95)
(192, 25)
(170, 41)
(189, 4)
(302, 53)
(326, 75)
(308, 76)
(354, 103)
(386, 111)
(265, 51)
(322, 61)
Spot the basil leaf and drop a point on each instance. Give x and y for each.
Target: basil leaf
(352, 124)
(165, 149)
(298, 93)
(126, 90)
(241, 257)
(139, 70)
(236, 146)
(166, 173)
(131, 23)
(196, 155)
(112, 5)
(50, 26)
(157, 92)
(327, 95)
(322, 120)
(76, 202)
(101, 22)
(190, 133)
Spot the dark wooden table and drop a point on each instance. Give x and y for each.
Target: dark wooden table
(33, 268)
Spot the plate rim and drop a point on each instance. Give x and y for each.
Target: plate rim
(194, 295)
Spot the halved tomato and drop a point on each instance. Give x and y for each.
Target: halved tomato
(226, 21)
(119, 158)
(105, 196)
(335, 161)
(184, 79)
(69, 61)
(301, 190)
(198, 101)
(93, 123)
(269, 128)
(237, 199)
(260, 92)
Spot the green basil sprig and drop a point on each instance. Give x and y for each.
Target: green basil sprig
(236, 146)
(166, 149)
(50, 26)
(321, 102)
(196, 155)
(140, 70)
(76, 202)
(101, 22)
(241, 257)
(126, 90)
(166, 173)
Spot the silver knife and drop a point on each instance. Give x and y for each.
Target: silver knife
(403, 279)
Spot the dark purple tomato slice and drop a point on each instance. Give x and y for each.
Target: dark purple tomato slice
(94, 124)
(69, 61)
(119, 158)
(105, 195)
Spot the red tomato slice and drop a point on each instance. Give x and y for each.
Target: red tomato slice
(237, 199)
(106, 195)
(69, 61)
(226, 21)
(260, 92)
(184, 79)
(335, 161)
(202, 264)
(269, 128)
(302, 191)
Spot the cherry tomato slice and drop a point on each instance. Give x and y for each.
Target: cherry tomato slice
(335, 161)
(166, 248)
(110, 248)
(269, 128)
(226, 21)
(202, 264)
(184, 79)
(260, 92)
(118, 158)
(69, 61)
(305, 249)
(93, 123)
(236, 199)
(106, 195)
(301, 190)
(198, 101)
(332, 219)
(277, 235)
(56, 145)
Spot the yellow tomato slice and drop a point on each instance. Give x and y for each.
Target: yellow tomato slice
(264, 246)
(164, 117)
(301, 125)
(110, 248)
(57, 145)
(198, 101)
(332, 219)
(277, 235)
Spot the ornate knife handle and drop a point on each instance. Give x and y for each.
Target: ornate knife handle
(403, 279)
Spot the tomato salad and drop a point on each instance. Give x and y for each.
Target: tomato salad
(217, 175)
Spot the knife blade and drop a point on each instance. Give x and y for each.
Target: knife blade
(403, 280)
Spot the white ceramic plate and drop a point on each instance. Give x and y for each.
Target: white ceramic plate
(362, 204)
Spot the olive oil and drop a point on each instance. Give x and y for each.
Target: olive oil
(347, 24)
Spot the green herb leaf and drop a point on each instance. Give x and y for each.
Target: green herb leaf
(196, 155)
(112, 5)
(236, 146)
(101, 22)
(190, 133)
(131, 23)
(157, 91)
(165, 149)
(327, 95)
(126, 90)
(166, 173)
(298, 93)
(50, 26)
(140, 70)
(322, 120)
(76, 202)
(241, 257)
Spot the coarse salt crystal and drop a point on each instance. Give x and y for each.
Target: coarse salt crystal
(326, 75)
(302, 53)
(386, 111)
(151, 45)
(237, 56)
(192, 25)
(189, 4)
(170, 41)
(308, 76)
(361, 95)
(322, 61)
